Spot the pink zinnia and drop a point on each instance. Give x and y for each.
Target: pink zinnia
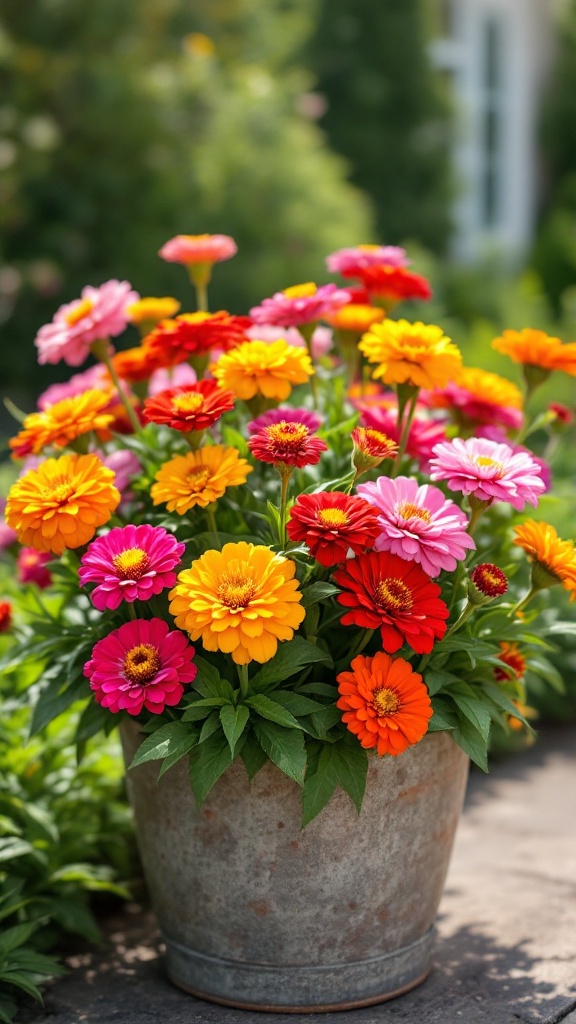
(8, 536)
(488, 471)
(141, 665)
(100, 313)
(130, 563)
(498, 435)
(302, 304)
(287, 443)
(312, 420)
(95, 377)
(178, 377)
(125, 465)
(349, 262)
(321, 341)
(418, 523)
(198, 249)
(32, 567)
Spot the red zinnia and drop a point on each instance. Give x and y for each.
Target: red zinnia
(194, 407)
(395, 284)
(384, 591)
(489, 579)
(331, 523)
(196, 334)
(287, 443)
(5, 616)
(514, 659)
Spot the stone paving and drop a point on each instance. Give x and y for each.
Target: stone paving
(506, 950)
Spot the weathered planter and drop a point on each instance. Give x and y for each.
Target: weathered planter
(261, 915)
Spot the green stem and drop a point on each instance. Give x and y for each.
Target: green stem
(243, 678)
(465, 614)
(100, 350)
(132, 610)
(524, 601)
(201, 297)
(285, 475)
(361, 643)
(211, 520)
(405, 433)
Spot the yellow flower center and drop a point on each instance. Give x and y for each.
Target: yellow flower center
(188, 403)
(235, 590)
(486, 463)
(288, 433)
(131, 564)
(409, 511)
(59, 493)
(84, 307)
(141, 664)
(385, 702)
(300, 291)
(198, 478)
(332, 517)
(393, 595)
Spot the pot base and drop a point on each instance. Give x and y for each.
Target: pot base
(317, 989)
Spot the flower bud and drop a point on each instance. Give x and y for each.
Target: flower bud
(371, 447)
(486, 582)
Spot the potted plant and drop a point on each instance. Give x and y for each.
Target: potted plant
(302, 579)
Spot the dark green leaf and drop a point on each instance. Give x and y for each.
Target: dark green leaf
(296, 703)
(53, 701)
(318, 592)
(164, 742)
(472, 743)
(272, 711)
(289, 659)
(439, 680)
(319, 785)
(474, 710)
(211, 725)
(253, 756)
(285, 747)
(351, 763)
(208, 762)
(233, 723)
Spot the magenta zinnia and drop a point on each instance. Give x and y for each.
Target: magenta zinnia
(488, 471)
(287, 444)
(130, 563)
(301, 304)
(141, 665)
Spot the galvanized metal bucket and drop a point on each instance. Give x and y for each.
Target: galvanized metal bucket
(260, 915)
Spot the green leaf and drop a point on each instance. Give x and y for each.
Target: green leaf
(439, 679)
(472, 743)
(443, 718)
(322, 721)
(474, 710)
(322, 689)
(319, 785)
(296, 703)
(272, 711)
(351, 762)
(8, 1008)
(207, 681)
(234, 439)
(53, 701)
(211, 725)
(208, 762)
(16, 936)
(292, 656)
(546, 670)
(169, 739)
(285, 747)
(22, 981)
(318, 592)
(252, 755)
(233, 723)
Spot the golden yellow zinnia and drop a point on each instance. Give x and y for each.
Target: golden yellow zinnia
(151, 310)
(60, 424)
(535, 348)
(198, 478)
(241, 600)
(416, 354)
(62, 503)
(553, 557)
(256, 367)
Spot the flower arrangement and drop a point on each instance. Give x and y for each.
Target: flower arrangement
(263, 542)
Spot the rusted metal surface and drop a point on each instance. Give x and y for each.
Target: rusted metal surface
(258, 913)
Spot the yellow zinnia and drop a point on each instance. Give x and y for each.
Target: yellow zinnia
(416, 354)
(241, 600)
(198, 478)
(151, 310)
(535, 348)
(62, 423)
(554, 558)
(256, 367)
(62, 503)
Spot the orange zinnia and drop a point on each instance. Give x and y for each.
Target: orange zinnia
(60, 424)
(241, 600)
(356, 317)
(385, 703)
(535, 348)
(138, 363)
(198, 478)
(554, 559)
(512, 656)
(62, 503)
(257, 367)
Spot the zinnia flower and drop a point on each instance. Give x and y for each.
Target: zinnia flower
(554, 559)
(8, 536)
(478, 396)
(59, 425)
(130, 563)
(5, 616)
(100, 313)
(385, 703)
(320, 342)
(198, 478)
(188, 249)
(150, 310)
(488, 471)
(424, 433)
(287, 444)
(138, 363)
(96, 376)
(257, 368)
(301, 304)
(537, 349)
(489, 579)
(312, 420)
(371, 447)
(195, 407)
(350, 262)
(241, 600)
(418, 523)
(355, 318)
(62, 503)
(332, 524)
(178, 376)
(194, 335)
(385, 592)
(395, 284)
(141, 665)
(416, 354)
(32, 567)
(511, 655)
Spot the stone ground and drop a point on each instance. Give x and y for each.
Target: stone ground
(506, 950)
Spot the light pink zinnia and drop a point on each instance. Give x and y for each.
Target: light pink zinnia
(130, 563)
(178, 376)
(302, 304)
(141, 665)
(349, 261)
(198, 249)
(312, 420)
(100, 313)
(125, 465)
(487, 470)
(321, 342)
(418, 523)
(32, 567)
(95, 377)
(498, 435)
(8, 536)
